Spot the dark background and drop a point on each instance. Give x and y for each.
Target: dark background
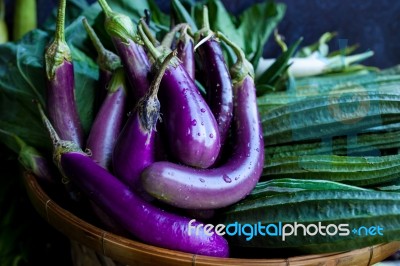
(370, 23)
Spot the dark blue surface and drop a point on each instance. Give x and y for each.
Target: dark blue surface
(372, 24)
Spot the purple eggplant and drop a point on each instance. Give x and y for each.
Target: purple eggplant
(135, 146)
(109, 121)
(187, 187)
(107, 61)
(30, 158)
(148, 223)
(216, 76)
(128, 45)
(190, 127)
(61, 104)
(185, 47)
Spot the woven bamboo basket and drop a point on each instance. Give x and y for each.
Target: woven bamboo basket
(130, 252)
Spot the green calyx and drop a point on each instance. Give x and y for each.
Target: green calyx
(159, 53)
(56, 54)
(58, 51)
(117, 81)
(205, 33)
(119, 25)
(106, 59)
(59, 146)
(242, 66)
(149, 105)
(109, 61)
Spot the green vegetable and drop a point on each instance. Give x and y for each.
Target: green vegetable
(248, 33)
(362, 144)
(330, 115)
(25, 18)
(270, 78)
(308, 203)
(3, 25)
(357, 171)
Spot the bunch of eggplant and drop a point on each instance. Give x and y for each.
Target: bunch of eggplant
(157, 137)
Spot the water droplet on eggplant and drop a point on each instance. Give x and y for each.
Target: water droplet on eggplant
(226, 178)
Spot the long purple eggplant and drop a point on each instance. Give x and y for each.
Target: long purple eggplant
(189, 124)
(128, 45)
(186, 187)
(217, 78)
(185, 48)
(146, 222)
(135, 147)
(109, 121)
(184, 45)
(61, 105)
(107, 61)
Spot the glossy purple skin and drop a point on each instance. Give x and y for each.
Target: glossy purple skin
(191, 128)
(104, 79)
(133, 152)
(145, 221)
(42, 169)
(185, 50)
(218, 85)
(106, 127)
(136, 64)
(191, 188)
(61, 105)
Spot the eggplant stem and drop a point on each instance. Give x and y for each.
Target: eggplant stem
(55, 138)
(209, 36)
(60, 146)
(93, 37)
(238, 51)
(147, 43)
(59, 35)
(242, 66)
(106, 8)
(206, 20)
(148, 107)
(170, 36)
(148, 32)
(205, 30)
(155, 83)
(106, 59)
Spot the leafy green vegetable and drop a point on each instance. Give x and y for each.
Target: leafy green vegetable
(277, 71)
(249, 30)
(182, 15)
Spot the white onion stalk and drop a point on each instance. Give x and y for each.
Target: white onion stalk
(313, 64)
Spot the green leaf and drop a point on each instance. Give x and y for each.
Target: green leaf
(221, 20)
(256, 25)
(319, 46)
(22, 79)
(181, 15)
(270, 77)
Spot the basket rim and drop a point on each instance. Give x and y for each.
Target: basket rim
(126, 250)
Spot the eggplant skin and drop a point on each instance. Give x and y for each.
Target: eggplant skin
(150, 224)
(106, 127)
(191, 188)
(185, 47)
(61, 104)
(136, 64)
(218, 85)
(190, 126)
(134, 150)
